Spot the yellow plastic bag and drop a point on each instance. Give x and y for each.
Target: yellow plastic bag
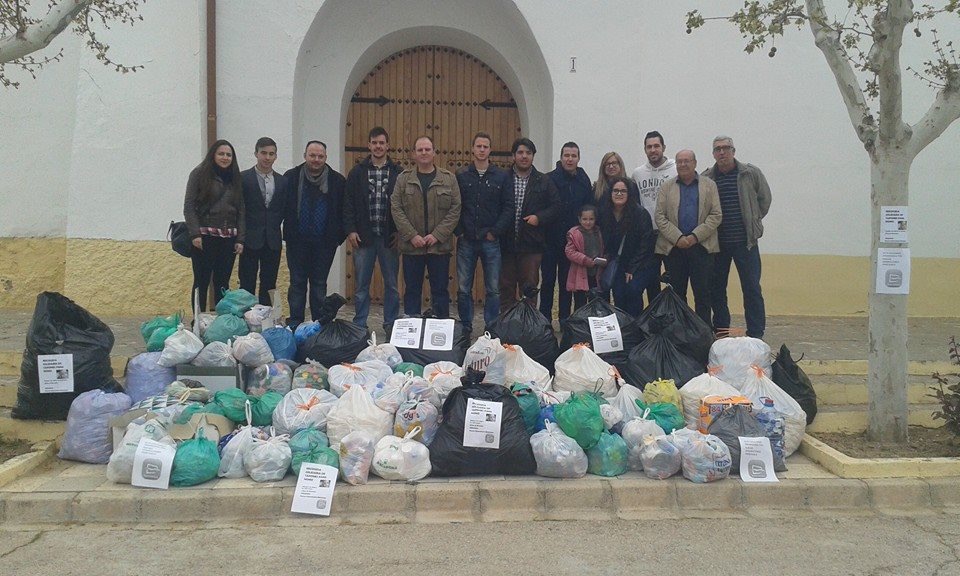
(662, 391)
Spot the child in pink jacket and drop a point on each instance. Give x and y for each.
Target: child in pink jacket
(585, 252)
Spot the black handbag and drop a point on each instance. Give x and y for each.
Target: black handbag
(179, 238)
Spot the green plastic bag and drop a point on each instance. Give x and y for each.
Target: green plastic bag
(262, 408)
(579, 417)
(236, 302)
(609, 456)
(232, 403)
(147, 329)
(665, 414)
(224, 328)
(404, 367)
(195, 462)
(311, 445)
(529, 405)
(196, 408)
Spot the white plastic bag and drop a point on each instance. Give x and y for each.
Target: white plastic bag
(145, 377)
(611, 415)
(365, 374)
(757, 387)
(268, 460)
(419, 414)
(180, 347)
(256, 316)
(275, 376)
(389, 394)
(215, 355)
(487, 355)
(579, 369)
(555, 397)
(696, 389)
(355, 410)
(557, 455)
(386, 353)
(231, 457)
(303, 408)
(731, 358)
(403, 458)
(443, 377)
(356, 455)
(311, 375)
(120, 466)
(252, 350)
(524, 369)
(633, 433)
(625, 401)
(203, 321)
(87, 436)
(704, 458)
(659, 457)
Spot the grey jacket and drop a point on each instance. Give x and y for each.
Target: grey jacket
(227, 210)
(754, 198)
(709, 215)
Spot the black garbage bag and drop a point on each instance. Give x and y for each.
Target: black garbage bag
(523, 325)
(737, 421)
(657, 357)
(461, 341)
(672, 317)
(449, 457)
(576, 328)
(795, 382)
(60, 326)
(338, 340)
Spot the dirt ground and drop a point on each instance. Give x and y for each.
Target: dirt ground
(922, 443)
(10, 447)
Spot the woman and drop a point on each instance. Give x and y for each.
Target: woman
(213, 211)
(612, 167)
(629, 237)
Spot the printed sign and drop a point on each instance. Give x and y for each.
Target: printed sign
(893, 271)
(314, 492)
(756, 460)
(438, 334)
(406, 332)
(893, 224)
(56, 373)
(606, 334)
(482, 426)
(152, 464)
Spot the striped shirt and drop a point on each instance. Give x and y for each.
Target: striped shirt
(379, 202)
(731, 231)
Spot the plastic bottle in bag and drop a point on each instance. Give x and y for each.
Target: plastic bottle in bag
(356, 456)
(659, 457)
(773, 426)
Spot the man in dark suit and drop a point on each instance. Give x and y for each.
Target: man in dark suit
(263, 198)
(312, 227)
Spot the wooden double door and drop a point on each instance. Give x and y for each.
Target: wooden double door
(437, 91)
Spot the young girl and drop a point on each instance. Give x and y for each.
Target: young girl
(584, 251)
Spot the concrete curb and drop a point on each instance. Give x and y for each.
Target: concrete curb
(485, 500)
(21, 465)
(859, 367)
(888, 468)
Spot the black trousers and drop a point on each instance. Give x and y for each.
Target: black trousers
(216, 261)
(309, 262)
(265, 261)
(554, 268)
(695, 265)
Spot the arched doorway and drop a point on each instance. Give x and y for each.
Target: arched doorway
(438, 91)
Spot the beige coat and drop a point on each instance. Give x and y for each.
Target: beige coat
(442, 211)
(708, 215)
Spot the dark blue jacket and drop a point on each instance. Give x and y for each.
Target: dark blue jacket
(356, 201)
(540, 199)
(263, 221)
(486, 204)
(333, 232)
(574, 191)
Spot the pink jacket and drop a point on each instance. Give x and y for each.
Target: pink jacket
(579, 262)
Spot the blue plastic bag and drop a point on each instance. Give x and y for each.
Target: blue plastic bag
(608, 457)
(282, 342)
(305, 331)
(146, 378)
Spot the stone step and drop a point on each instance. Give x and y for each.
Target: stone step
(30, 430)
(853, 417)
(852, 389)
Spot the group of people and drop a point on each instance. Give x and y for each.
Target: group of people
(528, 230)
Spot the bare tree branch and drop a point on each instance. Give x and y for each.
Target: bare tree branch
(889, 25)
(38, 36)
(944, 110)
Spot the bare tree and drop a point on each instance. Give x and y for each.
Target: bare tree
(862, 49)
(23, 32)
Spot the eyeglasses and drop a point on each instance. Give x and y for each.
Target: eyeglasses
(618, 192)
(722, 148)
(613, 163)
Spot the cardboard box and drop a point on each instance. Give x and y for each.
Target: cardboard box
(211, 423)
(213, 379)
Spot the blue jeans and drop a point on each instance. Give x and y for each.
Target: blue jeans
(748, 269)
(438, 267)
(364, 258)
(309, 262)
(468, 252)
(628, 296)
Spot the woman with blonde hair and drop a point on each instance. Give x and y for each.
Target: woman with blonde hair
(611, 167)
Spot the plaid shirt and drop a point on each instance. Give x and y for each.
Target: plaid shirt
(378, 179)
(519, 190)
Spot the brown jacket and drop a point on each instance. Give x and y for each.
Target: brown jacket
(708, 215)
(437, 212)
(227, 210)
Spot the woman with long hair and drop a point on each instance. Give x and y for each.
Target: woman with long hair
(214, 213)
(611, 166)
(629, 239)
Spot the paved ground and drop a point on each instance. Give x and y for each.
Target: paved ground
(795, 544)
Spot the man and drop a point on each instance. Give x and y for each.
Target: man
(264, 200)
(426, 208)
(649, 177)
(574, 190)
(745, 200)
(688, 214)
(536, 206)
(485, 214)
(370, 230)
(312, 227)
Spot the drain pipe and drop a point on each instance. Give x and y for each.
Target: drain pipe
(211, 72)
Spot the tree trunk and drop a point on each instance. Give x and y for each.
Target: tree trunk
(887, 330)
